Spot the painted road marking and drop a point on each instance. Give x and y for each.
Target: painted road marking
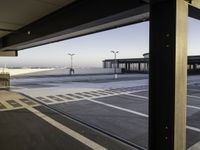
(55, 98)
(195, 107)
(134, 112)
(195, 146)
(189, 106)
(93, 145)
(192, 96)
(74, 96)
(84, 95)
(13, 103)
(101, 93)
(108, 92)
(2, 106)
(7, 105)
(65, 97)
(88, 93)
(138, 96)
(27, 101)
(68, 98)
(120, 108)
(44, 99)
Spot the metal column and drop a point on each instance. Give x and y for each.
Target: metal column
(139, 67)
(168, 74)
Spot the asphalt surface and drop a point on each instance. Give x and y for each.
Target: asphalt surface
(123, 122)
(120, 112)
(22, 130)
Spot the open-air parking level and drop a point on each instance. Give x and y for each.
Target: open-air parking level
(155, 112)
(93, 117)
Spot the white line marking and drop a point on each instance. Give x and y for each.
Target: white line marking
(193, 128)
(143, 97)
(120, 108)
(65, 129)
(192, 96)
(189, 106)
(195, 107)
(7, 105)
(8, 109)
(135, 112)
(84, 98)
(195, 146)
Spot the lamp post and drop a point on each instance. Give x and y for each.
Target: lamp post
(115, 64)
(71, 68)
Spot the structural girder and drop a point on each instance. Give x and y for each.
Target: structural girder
(82, 18)
(195, 3)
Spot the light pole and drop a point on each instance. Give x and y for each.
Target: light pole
(115, 64)
(71, 68)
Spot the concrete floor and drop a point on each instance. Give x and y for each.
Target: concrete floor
(120, 109)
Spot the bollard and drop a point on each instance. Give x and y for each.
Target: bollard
(4, 80)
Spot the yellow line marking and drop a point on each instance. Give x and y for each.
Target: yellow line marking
(65, 129)
(7, 105)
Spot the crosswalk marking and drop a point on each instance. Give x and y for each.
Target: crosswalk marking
(71, 97)
(74, 96)
(65, 97)
(11, 104)
(14, 103)
(2, 106)
(83, 94)
(28, 102)
(8, 105)
(42, 99)
(55, 98)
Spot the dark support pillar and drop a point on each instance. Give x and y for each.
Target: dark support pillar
(126, 66)
(194, 66)
(168, 74)
(117, 64)
(104, 64)
(111, 64)
(145, 66)
(139, 67)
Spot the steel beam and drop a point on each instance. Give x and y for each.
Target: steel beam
(194, 12)
(80, 18)
(168, 74)
(195, 3)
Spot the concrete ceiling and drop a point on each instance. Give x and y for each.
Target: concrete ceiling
(16, 14)
(29, 23)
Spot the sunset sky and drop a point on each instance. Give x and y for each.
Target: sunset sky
(131, 42)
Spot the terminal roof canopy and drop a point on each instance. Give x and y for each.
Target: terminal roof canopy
(29, 23)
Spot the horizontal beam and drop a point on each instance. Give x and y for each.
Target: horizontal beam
(194, 12)
(79, 18)
(195, 3)
(8, 53)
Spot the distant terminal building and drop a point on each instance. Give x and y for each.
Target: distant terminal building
(141, 65)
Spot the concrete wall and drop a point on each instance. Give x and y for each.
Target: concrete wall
(62, 71)
(14, 72)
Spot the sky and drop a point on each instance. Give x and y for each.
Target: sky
(131, 42)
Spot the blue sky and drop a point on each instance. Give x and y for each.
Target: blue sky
(132, 41)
